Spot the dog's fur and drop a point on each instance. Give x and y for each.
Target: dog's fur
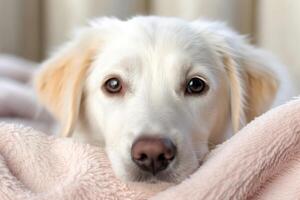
(155, 56)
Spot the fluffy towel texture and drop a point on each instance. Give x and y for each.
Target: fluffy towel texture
(259, 162)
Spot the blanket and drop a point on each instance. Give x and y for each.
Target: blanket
(17, 99)
(262, 161)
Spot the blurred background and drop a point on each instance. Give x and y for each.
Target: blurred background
(32, 28)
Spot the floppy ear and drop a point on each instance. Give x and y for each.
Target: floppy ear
(253, 83)
(59, 82)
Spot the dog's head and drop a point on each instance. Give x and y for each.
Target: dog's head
(156, 91)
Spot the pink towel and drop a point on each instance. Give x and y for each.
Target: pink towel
(262, 161)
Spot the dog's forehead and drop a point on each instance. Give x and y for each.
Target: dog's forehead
(155, 43)
(156, 35)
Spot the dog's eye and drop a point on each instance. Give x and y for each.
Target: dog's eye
(113, 85)
(195, 85)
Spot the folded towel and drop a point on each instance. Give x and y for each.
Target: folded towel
(262, 161)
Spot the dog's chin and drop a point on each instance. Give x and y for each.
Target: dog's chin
(146, 177)
(135, 174)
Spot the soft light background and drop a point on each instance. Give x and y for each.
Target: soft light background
(32, 28)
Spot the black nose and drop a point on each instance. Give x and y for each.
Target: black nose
(153, 154)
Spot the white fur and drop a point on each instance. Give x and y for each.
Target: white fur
(155, 56)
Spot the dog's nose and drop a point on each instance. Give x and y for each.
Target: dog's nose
(153, 154)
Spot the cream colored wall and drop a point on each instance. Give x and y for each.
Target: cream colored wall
(278, 30)
(10, 26)
(20, 28)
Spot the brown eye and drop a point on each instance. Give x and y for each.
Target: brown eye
(195, 86)
(113, 85)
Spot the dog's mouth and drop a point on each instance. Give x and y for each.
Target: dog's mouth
(169, 175)
(165, 176)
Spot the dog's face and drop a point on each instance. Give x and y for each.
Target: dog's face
(156, 92)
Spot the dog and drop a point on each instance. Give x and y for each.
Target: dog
(156, 92)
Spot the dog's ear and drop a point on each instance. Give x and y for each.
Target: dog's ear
(59, 83)
(253, 83)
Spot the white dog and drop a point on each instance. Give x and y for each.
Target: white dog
(155, 91)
